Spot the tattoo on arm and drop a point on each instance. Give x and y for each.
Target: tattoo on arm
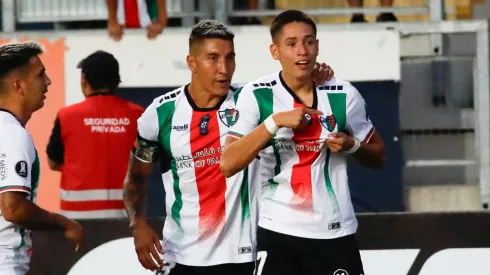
(134, 193)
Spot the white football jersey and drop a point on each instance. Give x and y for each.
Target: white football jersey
(209, 217)
(19, 172)
(305, 190)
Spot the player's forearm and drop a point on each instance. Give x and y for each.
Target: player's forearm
(162, 11)
(30, 216)
(134, 196)
(112, 10)
(239, 153)
(371, 155)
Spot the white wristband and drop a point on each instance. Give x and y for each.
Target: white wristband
(271, 125)
(354, 148)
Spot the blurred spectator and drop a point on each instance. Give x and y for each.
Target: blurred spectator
(91, 141)
(383, 17)
(149, 14)
(245, 5)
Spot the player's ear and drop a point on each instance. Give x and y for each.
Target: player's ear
(274, 51)
(191, 63)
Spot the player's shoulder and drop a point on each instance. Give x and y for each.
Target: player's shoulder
(13, 135)
(265, 82)
(167, 98)
(337, 85)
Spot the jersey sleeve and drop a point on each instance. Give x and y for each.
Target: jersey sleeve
(17, 155)
(359, 124)
(146, 145)
(248, 115)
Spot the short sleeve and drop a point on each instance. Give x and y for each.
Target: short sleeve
(359, 124)
(247, 118)
(17, 155)
(146, 147)
(148, 123)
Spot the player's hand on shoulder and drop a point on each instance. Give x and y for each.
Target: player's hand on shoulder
(74, 232)
(148, 246)
(339, 142)
(297, 118)
(321, 73)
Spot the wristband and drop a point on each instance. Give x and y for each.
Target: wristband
(354, 148)
(271, 125)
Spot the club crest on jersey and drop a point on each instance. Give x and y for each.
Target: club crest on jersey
(229, 117)
(328, 122)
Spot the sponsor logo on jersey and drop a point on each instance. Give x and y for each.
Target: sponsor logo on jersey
(340, 272)
(179, 128)
(203, 125)
(245, 250)
(328, 122)
(21, 168)
(229, 117)
(334, 226)
(3, 166)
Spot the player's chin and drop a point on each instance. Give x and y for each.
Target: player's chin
(221, 89)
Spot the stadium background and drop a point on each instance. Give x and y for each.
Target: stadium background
(419, 88)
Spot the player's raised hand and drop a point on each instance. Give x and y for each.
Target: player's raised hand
(148, 247)
(154, 30)
(115, 30)
(297, 118)
(321, 73)
(74, 232)
(339, 142)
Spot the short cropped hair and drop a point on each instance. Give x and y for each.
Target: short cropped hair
(290, 16)
(17, 55)
(207, 29)
(101, 70)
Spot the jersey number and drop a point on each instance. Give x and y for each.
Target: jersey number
(261, 257)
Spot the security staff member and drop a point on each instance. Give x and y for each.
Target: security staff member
(90, 143)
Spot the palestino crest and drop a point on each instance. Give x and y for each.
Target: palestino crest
(328, 122)
(229, 117)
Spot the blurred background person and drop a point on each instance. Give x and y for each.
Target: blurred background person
(90, 141)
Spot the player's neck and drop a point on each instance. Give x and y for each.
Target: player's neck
(16, 109)
(202, 98)
(300, 86)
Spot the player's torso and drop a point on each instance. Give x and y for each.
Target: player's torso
(208, 215)
(15, 242)
(305, 191)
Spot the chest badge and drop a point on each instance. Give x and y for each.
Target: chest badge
(328, 122)
(228, 117)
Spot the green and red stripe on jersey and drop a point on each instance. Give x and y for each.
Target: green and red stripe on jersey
(211, 184)
(301, 179)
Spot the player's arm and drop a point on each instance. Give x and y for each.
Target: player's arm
(15, 188)
(143, 155)
(246, 139)
(55, 149)
(364, 143)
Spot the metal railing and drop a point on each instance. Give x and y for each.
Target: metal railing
(435, 8)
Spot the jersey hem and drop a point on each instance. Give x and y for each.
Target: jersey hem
(208, 263)
(308, 235)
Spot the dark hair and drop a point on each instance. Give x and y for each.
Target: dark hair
(101, 70)
(290, 16)
(18, 55)
(210, 29)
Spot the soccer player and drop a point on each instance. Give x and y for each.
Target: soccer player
(209, 227)
(23, 85)
(307, 223)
